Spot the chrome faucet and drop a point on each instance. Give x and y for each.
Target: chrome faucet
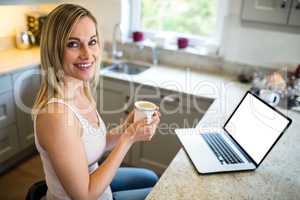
(115, 53)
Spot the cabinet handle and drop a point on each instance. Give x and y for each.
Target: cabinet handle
(283, 4)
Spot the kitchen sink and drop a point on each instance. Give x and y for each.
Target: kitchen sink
(127, 68)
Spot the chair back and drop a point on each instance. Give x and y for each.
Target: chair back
(37, 190)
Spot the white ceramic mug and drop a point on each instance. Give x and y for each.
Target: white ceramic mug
(144, 109)
(269, 96)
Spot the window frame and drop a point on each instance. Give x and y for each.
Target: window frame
(195, 40)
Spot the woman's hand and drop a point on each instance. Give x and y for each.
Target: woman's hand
(140, 130)
(130, 118)
(128, 121)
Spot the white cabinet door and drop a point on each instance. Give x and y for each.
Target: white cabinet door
(178, 111)
(268, 11)
(26, 86)
(294, 18)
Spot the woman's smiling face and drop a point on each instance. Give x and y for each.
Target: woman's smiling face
(82, 50)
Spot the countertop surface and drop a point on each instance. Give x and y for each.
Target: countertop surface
(277, 177)
(15, 59)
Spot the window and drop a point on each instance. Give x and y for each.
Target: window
(198, 20)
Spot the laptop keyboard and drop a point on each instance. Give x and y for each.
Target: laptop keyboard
(221, 149)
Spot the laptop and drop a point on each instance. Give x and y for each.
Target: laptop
(247, 137)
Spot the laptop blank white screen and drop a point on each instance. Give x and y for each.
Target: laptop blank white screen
(255, 126)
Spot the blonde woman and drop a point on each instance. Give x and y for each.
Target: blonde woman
(69, 133)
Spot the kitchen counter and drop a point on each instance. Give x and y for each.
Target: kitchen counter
(276, 178)
(185, 80)
(15, 59)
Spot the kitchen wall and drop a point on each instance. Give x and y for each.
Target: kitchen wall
(7, 13)
(8, 26)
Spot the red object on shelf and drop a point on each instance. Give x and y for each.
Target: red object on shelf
(182, 42)
(137, 36)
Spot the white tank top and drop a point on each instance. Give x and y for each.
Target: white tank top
(94, 140)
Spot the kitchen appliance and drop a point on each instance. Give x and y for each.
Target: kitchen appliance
(24, 39)
(35, 21)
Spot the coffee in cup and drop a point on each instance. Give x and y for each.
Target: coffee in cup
(144, 109)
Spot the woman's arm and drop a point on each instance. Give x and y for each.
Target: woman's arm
(66, 151)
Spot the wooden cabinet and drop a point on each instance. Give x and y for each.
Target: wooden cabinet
(26, 86)
(282, 12)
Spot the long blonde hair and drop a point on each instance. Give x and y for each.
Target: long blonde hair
(54, 37)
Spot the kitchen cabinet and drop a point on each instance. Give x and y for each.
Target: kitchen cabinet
(7, 109)
(115, 98)
(8, 142)
(8, 131)
(177, 111)
(282, 12)
(112, 97)
(26, 86)
(113, 103)
(17, 94)
(294, 18)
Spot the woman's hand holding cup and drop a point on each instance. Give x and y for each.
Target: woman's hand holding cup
(144, 126)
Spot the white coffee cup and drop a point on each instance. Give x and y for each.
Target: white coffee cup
(144, 109)
(269, 96)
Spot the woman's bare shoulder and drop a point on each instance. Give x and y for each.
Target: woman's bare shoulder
(54, 121)
(53, 112)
